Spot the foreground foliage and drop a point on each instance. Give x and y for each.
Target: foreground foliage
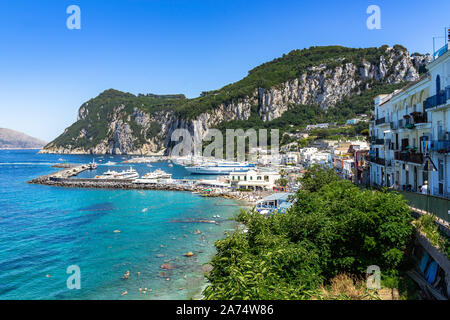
(333, 228)
(427, 224)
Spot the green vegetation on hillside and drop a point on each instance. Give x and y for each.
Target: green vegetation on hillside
(333, 228)
(299, 116)
(270, 74)
(101, 111)
(277, 71)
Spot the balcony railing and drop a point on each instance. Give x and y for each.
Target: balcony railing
(437, 99)
(436, 205)
(419, 117)
(442, 146)
(380, 121)
(376, 160)
(408, 156)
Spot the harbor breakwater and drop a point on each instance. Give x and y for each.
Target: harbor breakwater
(64, 178)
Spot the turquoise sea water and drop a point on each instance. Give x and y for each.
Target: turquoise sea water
(45, 229)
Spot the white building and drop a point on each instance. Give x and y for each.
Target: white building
(289, 158)
(311, 156)
(317, 126)
(254, 179)
(438, 108)
(411, 125)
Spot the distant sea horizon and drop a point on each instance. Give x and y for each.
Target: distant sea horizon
(45, 229)
(37, 149)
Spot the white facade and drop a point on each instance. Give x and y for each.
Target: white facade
(254, 179)
(438, 109)
(317, 126)
(347, 170)
(410, 125)
(311, 156)
(289, 158)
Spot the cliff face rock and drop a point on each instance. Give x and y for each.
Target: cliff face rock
(321, 86)
(325, 87)
(139, 129)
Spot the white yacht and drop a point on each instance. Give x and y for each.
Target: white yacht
(155, 177)
(127, 174)
(107, 175)
(220, 167)
(157, 174)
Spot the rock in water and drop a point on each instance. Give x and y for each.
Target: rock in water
(167, 266)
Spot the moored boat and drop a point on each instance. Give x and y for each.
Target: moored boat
(220, 167)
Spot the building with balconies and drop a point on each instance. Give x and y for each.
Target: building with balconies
(437, 106)
(412, 125)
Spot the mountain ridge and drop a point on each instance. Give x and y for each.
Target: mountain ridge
(12, 139)
(122, 123)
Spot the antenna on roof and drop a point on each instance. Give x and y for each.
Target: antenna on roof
(441, 50)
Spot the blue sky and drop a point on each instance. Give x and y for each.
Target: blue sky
(142, 46)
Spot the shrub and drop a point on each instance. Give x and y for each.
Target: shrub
(333, 228)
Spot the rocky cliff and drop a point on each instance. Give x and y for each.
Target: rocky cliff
(121, 123)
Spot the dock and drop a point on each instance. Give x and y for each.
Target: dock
(70, 170)
(65, 178)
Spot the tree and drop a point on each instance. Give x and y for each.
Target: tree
(316, 177)
(333, 227)
(282, 182)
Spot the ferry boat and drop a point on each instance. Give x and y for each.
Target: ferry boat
(220, 167)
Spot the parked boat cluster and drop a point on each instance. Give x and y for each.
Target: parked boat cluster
(161, 180)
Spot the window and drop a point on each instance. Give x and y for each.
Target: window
(441, 176)
(258, 178)
(424, 176)
(441, 170)
(438, 84)
(440, 130)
